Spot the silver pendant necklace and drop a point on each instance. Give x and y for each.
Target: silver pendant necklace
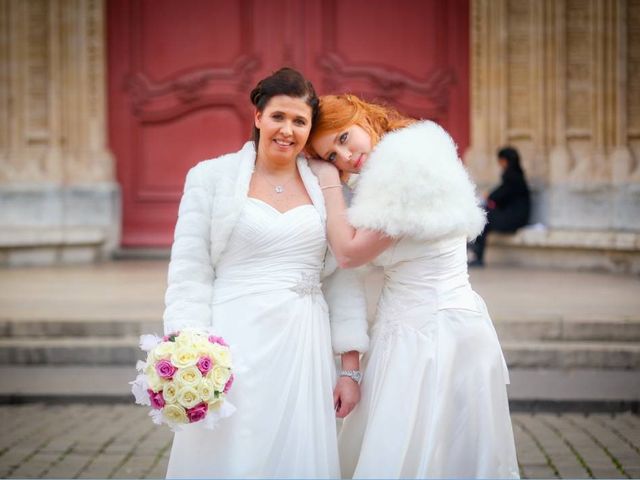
(278, 188)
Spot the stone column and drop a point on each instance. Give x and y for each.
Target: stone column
(558, 79)
(593, 172)
(509, 88)
(58, 197)
(555, 79)
(488, 88)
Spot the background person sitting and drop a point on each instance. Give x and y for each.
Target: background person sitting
(508, 206)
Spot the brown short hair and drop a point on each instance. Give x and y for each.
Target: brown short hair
(286, 81)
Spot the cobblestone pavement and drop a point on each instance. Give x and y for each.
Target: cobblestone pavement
(119, 441)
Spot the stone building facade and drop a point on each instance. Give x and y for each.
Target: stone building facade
(59, 200)
(558, 79)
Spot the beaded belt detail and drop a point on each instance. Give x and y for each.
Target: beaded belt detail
(309, 284)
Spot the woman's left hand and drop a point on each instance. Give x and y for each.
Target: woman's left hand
(346, 396)
(326, 172)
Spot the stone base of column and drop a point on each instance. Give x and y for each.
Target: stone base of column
(52, 224)
(615, 208)
(566, 249)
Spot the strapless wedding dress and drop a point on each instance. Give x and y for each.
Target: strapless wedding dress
(434, 401)
(268, 305)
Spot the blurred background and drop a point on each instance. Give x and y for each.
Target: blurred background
(105, 105)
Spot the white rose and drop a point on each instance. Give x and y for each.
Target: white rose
(184, 357)
(221, 355)
(188, 377)
(175, 414)
(170, 392)
(206, 390)
(164, 350)
(188, 397)
(185, 339)
(154, 380)
(219, 376)
(199, 340)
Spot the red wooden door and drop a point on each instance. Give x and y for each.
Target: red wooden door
(180, 72)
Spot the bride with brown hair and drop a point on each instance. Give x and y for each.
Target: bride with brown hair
(434, 400)
(247, 260)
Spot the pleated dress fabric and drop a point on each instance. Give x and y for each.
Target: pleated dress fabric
(268, 305)
(434, 402)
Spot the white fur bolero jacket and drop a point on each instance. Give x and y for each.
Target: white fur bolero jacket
(215, 192)
(414, 185)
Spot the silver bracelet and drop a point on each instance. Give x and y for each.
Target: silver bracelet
(355, 375)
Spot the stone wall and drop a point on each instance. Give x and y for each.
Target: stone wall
(560, 81)
(58, 197)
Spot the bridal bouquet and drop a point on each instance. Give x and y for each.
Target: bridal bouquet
(185, 378)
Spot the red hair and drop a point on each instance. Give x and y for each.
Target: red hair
(339, 112)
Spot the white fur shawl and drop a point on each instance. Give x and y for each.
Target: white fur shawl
(414, 184)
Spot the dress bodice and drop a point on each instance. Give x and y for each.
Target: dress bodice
(270, 250)
(418, 272)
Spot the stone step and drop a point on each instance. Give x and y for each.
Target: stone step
(542, 328)
(568, 355)
(569, 329)
(77, 328)
(70, 351)
(572, 249)
(124, 351)
(78, 383)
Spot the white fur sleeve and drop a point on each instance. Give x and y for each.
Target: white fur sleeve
(191, 274)
(345, 294)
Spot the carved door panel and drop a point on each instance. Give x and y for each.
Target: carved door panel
(180, 72)
(412, 54)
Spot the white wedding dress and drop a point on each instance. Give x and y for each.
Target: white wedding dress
(268, 305)
(434, 400)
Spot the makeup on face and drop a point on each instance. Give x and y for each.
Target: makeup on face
(347, 149)
(284, 123)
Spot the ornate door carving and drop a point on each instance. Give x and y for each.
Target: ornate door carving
(412, 54)
(180, 74)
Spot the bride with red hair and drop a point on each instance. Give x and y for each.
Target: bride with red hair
(434, 400)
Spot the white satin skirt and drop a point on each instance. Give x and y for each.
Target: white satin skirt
(284, 425)
(434, 402)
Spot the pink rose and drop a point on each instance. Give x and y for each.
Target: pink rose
(157, 400)
(165, 369)
(204, 365)
(218, 340)
(197, 413)
(228, 384)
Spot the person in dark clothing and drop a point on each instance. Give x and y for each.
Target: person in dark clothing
(508, 206)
